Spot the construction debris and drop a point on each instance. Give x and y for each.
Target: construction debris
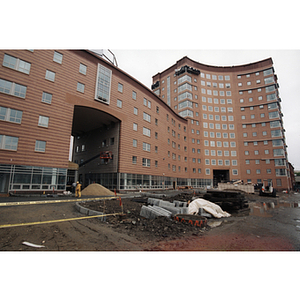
(96, 189)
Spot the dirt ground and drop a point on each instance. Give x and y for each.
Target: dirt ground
(268, 225)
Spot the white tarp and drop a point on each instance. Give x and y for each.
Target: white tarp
(208, 206)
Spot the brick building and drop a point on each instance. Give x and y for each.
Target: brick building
(200, 124)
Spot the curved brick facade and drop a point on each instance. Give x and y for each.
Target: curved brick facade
(188, 132)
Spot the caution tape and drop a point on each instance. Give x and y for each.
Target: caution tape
(56, 221)
(53, 201)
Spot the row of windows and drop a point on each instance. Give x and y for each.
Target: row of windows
(215, 77)
(216, 108)
(266, 81)
(11, 143)
(214, 152)
(272, 115)
(217, 117)
(276, 152)
(278, 172)
(213, 162)
(218, 135)
(275, 143)
(273, 124)
(216, 100)
(277, 161)
(215, 85)
(215, 93)
(270, 106)
(147, 163)
(219, 145)
(15, 116)
(104, 143)
(265, 73)
(212, 126)
(274, 133)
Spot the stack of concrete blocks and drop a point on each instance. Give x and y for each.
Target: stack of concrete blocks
(152, 212)
(159, 205)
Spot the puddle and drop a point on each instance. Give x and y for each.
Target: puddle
(263, 209)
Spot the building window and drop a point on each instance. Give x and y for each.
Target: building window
(146, 147)
(43, 121)
(146, 117)
(134, 159)
(146, 131)
(80, 87)
(10, 115)
(135, 111)
(278, 152)
(120, 87)
(82, 69)
(133, 95)
(40, 146)
(57, 57)
(134, 143)
(11, 88)
(8, 142)
(135, 126)
(16, 64)
(47, 98)
(146, 162)
(50, 75)
(280, 172)
(103, 83)
(119, 103)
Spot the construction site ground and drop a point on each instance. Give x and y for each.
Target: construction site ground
(270, 224)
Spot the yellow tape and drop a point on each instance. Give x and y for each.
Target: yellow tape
(56, 221)
(54, 201)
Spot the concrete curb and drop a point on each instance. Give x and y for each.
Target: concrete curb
(89, 212)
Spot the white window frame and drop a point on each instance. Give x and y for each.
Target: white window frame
(40, 146)
(19, 65)
(80, 87)
(103, 87)
(43, 121)
(57, 57)
(9, 142)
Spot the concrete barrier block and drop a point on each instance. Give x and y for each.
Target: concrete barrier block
(166, 204)
(184, 210)
(154, 201)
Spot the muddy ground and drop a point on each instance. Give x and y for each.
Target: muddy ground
(268, 225)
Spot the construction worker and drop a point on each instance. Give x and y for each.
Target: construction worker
(78, 190)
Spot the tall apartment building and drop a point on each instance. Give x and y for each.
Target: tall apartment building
(200, 124)
(234, 119)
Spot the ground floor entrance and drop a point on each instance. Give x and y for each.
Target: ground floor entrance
(220, 176)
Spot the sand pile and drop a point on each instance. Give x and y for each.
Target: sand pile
(96, 189)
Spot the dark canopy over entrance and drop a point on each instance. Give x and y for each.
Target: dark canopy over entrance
(86, 119)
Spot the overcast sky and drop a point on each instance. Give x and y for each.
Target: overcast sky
(164, 25)
(143, 64)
